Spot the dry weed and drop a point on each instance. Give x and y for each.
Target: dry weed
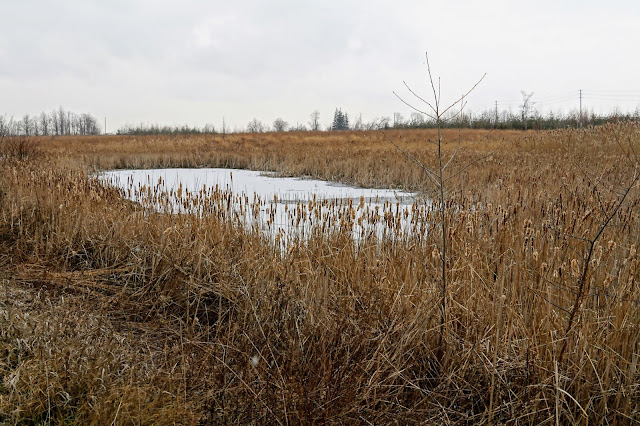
(111, 312)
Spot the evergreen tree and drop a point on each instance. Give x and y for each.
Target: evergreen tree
(340, 120)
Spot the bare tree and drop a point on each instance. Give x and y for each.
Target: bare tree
(358, 125)
(35, 125)
(440, 177)
(209, 128)
(279, 125)
(25, 125)
(62, 121)
(603, 198)
(398, 120)
(71, 123)
(256, 126)
(44, 123)
(53, 117)
(314, 123)
(416, 120)
(384, 123)
(5, 127)
(526, 107)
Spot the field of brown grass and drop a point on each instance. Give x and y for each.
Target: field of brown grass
(113, 314)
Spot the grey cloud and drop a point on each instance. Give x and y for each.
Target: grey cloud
(257, 57)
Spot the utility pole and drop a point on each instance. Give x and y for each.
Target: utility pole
(496, 125)
(224, 128)
(105, 125)
(461, 118)
(580, 108)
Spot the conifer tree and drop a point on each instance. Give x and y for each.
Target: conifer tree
(340, 120)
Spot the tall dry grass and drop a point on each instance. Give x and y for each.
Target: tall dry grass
(114, 313)
(360, 158)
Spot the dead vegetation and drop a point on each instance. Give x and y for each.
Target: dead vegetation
(111, 313)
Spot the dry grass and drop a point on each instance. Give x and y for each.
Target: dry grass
(112, 313)
(361, 158)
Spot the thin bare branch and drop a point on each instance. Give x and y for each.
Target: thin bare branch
(633, 150)
(419, 97)
(548, 301)
(626, 154)
(465, 95)
(452, 117)
(598, 181)
(564, 234)
(585, 270)
(433, 87)
(477, 160)
(414, 108)
(563, 287)
(432, 175)
(451, 159)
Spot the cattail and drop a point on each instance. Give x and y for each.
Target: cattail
(597, 257)
(575, 270)
(435, 253)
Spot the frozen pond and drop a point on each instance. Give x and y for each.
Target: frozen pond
(283, 207)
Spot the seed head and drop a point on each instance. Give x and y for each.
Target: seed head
(574, 267)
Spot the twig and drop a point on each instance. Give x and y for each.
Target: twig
(582, 284)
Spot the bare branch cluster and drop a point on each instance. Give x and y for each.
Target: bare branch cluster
(439, 176)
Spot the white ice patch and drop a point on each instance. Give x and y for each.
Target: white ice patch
(283, 207)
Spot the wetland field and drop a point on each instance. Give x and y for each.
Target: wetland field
(152, 303)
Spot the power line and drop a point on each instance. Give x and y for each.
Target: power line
(613, 91)
(614, 98)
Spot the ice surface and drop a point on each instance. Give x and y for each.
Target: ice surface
(283, 207)
(250, 182)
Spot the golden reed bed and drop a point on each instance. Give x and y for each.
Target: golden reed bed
(113, 313)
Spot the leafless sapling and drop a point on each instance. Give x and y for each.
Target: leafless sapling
(440, 177)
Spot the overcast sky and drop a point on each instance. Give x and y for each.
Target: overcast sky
(195, 61)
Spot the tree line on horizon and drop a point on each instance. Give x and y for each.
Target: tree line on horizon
(56, 123)
(504, 120)
(60, 122)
